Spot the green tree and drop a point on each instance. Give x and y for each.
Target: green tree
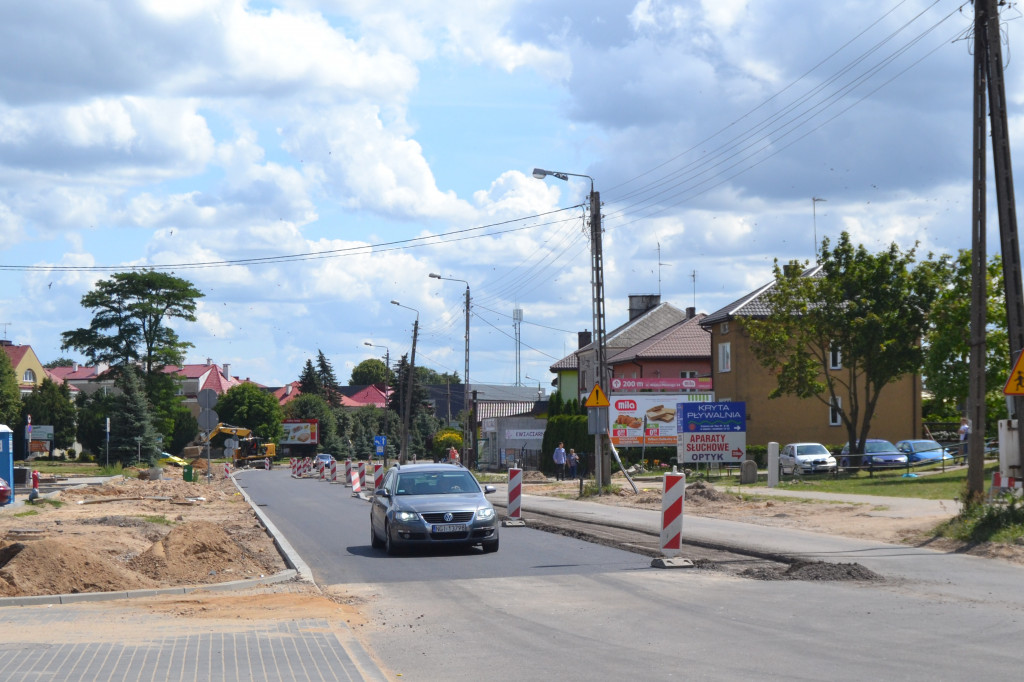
(328, 382)
(370, 371)
(871, 308)
(93, 411)
(50, 404)
(430, 377)
(130, 311)
(947, 342)
(309, 380)
(308, 406)
(10, 393)
(249, 406)
(132, 433)
(400, 384)
(60, 362)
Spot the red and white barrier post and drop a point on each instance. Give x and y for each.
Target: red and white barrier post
(515, 498)
(227, 469)
(348, 472)
(378, 476)
(323, 470)
(334, 471)
(354, 478)
(672, 514)
(362, 474)
(292, 462)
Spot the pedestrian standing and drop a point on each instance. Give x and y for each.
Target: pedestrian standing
(574, 461)
(559, 458)
(965, 432)
(453, 455)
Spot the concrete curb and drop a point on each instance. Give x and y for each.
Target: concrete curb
(297, 568)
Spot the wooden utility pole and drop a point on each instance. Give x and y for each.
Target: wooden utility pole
(988, 47)
(979, 261)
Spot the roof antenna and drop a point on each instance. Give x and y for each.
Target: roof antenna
(659, 268)
(6, 325)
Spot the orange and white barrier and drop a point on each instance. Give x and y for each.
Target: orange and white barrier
(672, 514)
(354, 478)
(515, 493)
(362, 475)
(348, 472)
(295, 466)
(323, 470)
(334, 471)
(1002, 484)
(227, 469)
(378, 476)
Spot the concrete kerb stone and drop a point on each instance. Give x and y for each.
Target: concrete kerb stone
(297, 569)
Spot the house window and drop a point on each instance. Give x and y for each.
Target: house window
(724, 357)
(835, 359)
(687, 375)
(724, 329)
(30, 377)
(833, 412)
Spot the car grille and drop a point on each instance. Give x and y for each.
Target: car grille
(457, 517)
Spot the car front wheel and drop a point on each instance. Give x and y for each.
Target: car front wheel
(389, 542)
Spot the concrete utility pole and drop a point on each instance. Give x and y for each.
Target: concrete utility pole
(987, 30)
(466, 431)
(403, 456)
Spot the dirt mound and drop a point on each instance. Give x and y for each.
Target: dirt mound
(534, 476)
(814, 570)
(49, 566)
(193, 551)
(703, 491)
(199, 464)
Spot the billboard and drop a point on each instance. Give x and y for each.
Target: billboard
(712, 432)
(628, 411)
(660, 384)
(301, 432)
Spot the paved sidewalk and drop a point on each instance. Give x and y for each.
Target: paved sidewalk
(934, 574)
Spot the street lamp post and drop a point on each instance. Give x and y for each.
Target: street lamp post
(539, 391)
(403, 456)
(602, 464)
(387, 372)
(467, 428)
(814, 217)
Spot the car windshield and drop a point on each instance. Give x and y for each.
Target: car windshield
(455, 482)
(812, 449)
(924, 445)
(879, 446)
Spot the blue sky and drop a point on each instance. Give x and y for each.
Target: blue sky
(168, 134)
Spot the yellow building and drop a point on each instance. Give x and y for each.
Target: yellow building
(738, 376)
(27, 368)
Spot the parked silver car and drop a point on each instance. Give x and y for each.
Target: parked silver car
(432, 505)
(808, 458)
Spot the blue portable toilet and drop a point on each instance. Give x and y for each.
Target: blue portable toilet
(7, 457)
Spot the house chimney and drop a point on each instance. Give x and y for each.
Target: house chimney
(790, 269)
(288, 389)
(226, 371)
(691, 312)
(74, 366)
(583, 338)
(209, 361)
(641, 303)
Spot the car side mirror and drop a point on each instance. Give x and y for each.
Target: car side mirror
(488, 489)
(382, 492)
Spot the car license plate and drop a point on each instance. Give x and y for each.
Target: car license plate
(450, 528)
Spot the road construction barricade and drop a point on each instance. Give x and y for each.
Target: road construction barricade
(515, 494)
(362, 474)
(378, 476)
(323, 470)
(227, 469)
(672, 514)
(308, 468)
(1003, 484)
(348, 472)
(334, 471)
(354, 479)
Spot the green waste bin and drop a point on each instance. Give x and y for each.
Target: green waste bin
(186, 473)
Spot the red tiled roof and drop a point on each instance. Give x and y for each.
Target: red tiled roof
(684, 339)
(283, 396)
(15, 353)
(371, 395)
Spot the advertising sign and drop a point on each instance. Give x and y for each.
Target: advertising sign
(659, 384)
(712, 432)
(627, 413)
(524, 434)
(301, 432)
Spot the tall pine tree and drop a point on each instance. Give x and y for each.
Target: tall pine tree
(309, 381)
(328, 382)
(132, 433)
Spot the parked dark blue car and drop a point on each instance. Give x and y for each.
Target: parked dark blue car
(877, 453)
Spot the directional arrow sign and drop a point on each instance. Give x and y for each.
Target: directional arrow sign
(711, 432)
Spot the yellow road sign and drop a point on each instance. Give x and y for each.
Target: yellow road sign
(597, 398)
(1015, 382)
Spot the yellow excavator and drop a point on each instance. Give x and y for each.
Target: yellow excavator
(251, 451)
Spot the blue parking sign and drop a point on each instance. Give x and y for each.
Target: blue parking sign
(380, 443)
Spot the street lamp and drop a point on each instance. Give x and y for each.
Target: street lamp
(540, 393)
(467, 428)
(602, 466)
(387, 362)
(403, 456)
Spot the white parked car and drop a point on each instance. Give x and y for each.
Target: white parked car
(808, 458)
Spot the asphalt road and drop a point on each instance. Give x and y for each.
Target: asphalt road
(551, 606)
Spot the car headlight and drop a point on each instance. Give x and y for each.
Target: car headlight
(405, 516)
(485, 513)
